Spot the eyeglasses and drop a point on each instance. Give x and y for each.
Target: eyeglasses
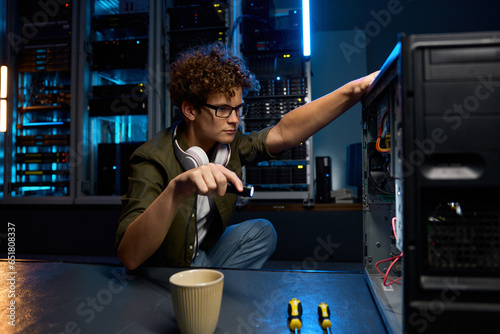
(225, 111)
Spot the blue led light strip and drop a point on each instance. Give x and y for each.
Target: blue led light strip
(43, 124)
(306, 29)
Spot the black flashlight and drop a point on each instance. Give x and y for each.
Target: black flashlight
(247, 190)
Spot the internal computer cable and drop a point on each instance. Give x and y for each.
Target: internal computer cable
(394, 259)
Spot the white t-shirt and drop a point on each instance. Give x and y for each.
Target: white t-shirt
(204, 217)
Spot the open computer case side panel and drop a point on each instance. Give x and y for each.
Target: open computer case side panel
(435, 104)
(380, 248)
(447, 184)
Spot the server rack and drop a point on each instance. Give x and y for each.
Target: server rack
(430, 184)
(122, 94)
(272, 46)
(85, 76)
(117, 91)
(38, 142)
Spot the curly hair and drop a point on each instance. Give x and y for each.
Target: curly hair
(199, 73)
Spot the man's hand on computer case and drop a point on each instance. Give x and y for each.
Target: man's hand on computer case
(360, 85)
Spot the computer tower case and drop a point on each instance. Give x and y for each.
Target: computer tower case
(431, 184)
(107, 169)
(323, 179)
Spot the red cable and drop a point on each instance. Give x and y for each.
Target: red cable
(394, 259)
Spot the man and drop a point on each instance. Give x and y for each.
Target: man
(176, 211)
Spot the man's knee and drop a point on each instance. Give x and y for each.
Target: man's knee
(267, 233)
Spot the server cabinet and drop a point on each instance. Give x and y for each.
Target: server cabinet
(431, 185)
(123, 94)
(88, 82)
(41, 44)
(272, 46)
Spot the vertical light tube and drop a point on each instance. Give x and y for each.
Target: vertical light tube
(3, 115)
(3, 82)
(306, 28)
(3, 98)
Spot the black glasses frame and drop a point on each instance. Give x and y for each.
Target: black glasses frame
(240, 110)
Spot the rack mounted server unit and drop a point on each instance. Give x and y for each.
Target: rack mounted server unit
(431, 156)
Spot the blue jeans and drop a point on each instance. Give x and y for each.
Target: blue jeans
(245, 245)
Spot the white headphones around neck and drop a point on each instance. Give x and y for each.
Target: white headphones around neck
(195, 156)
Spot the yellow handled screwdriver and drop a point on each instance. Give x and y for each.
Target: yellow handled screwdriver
(294, 314)
(324, 316)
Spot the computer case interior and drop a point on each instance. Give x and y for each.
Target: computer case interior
(431, 184)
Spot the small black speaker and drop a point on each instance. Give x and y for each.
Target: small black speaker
(323, 180)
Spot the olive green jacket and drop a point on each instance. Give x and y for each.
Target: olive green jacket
(154, 164)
